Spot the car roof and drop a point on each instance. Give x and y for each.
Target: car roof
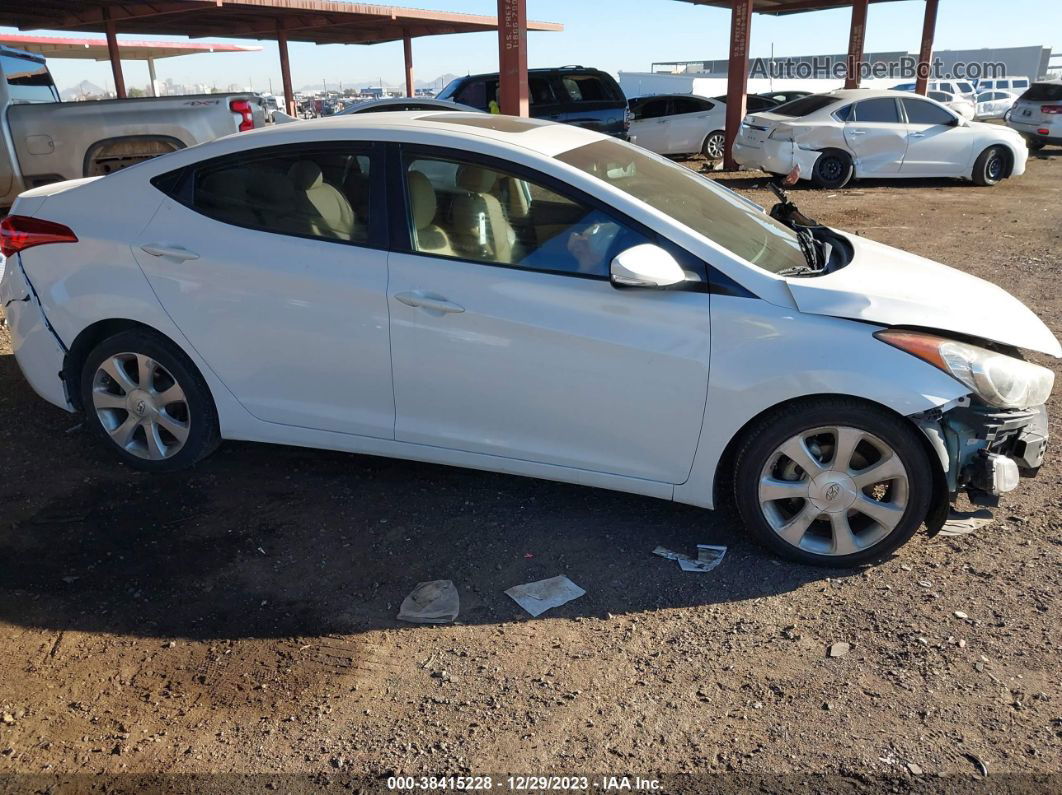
(539, 70)
(670, 96)
(537, 135)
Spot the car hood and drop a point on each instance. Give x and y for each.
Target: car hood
(894, 288)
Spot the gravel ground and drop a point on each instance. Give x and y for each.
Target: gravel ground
(240, 617)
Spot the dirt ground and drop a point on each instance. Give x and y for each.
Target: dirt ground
(241, 617)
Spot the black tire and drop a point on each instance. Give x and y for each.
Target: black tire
(990, 168)
(833, 169)
(758, 449)
(195, 412)
(714, 145)
(1035, 146)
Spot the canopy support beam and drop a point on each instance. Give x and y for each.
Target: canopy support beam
(737, 79)
(856, 39)
(512, 57)
(285, 72)
(925, 53)
(151, 76)
(407, 50)
(115, 56)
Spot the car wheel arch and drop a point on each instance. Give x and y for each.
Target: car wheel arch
(722, 487)
(92, 335)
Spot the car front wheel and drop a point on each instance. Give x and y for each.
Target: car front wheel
(991, 167)
(148, 402)
(833, 482)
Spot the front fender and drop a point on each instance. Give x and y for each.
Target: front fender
(763, 355)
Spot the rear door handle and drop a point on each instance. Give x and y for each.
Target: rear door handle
(857, 132)
(432, 303)
(178, 253)
(918, 135)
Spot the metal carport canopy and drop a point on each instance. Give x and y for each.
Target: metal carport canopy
(316, 21)
(741, 12)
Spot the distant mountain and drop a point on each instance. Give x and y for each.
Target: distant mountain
(82, 89)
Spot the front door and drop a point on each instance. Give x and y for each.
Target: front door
(272, 265)
(649, 126)
(877, 137)
(938, 144)
(508, 339)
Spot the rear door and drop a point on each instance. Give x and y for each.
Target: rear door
(938, 146)
(877, 136)
(689, 124)
(273, 264)
(591, 100)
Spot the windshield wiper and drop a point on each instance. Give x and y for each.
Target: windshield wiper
(799, 270)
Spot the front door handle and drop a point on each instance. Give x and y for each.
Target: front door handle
(432, 303)
(857, 132)
(178, 253)
(918, 135)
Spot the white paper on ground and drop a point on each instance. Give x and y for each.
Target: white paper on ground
(538, 597)
(961, 524)
(708, 557)
(433, 602)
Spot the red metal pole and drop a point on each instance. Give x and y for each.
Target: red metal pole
(856, 39)
(925, 54)
(285, 73)
(737, 76)
(112, 51)
(407, 49)
(512, 57)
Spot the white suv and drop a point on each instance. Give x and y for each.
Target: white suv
(1037, 114)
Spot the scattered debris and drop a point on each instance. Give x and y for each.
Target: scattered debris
(538, 597)
(8, 719)
(962, 523)
(433, 602)
(960, 614)
(708, 557)
(981, 766)
(914, 768)
(838, 649)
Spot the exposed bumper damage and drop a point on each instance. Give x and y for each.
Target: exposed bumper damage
(778, 157)
(986, 451)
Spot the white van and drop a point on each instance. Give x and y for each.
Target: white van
(1015, 84)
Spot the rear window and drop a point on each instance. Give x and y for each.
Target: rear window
(879, 111)
(804, 106)
(1044, 92)
(27, 81)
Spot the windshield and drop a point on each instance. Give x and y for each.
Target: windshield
(700, 203)
(805, 105)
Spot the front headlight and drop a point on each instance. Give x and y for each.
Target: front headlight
(999, 380)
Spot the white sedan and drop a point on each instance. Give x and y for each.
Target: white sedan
(854, 134)
(995, 103)
(679, 124)
(524, 297)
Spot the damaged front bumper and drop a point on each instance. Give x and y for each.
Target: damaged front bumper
(986, 451)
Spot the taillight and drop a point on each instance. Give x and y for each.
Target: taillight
(1052, 109)
(242, 108)
(18, 232)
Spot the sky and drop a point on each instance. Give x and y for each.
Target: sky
(613, 35)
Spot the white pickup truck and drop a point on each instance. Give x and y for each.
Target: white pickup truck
(43, 140)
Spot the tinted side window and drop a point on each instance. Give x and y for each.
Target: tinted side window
(27, 81)
(540, 91)
(844, 114)
(881, 110)
(1044, 92)
(651, 109)
(921, 112)
(312, 192)
(804, 105)
(585, 88)
(690, 105)
(469, 211)
(1021, 84)
(473, 93)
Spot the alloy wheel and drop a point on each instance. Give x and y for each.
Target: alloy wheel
(833, 490)
(714, 145)
(141, 406)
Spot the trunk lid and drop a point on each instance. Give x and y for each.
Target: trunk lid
(894, 288)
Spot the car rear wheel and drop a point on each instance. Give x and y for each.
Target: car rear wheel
(714, 145)
(148, 402)
(833, 169)
(990, 167)
(833, 483)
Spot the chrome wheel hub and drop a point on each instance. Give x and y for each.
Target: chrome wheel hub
(833, 490)
(141, 406)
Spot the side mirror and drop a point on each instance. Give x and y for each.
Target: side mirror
(646, 265)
